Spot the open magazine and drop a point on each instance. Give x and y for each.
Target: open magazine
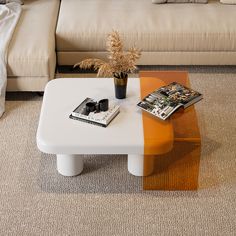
(166, 100)
(100, 118)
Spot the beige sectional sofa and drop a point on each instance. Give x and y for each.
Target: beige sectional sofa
(31, 54)
(168, 34)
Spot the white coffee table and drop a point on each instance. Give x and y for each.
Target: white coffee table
(69, 139)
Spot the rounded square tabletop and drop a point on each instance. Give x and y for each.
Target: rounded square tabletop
(126, 134)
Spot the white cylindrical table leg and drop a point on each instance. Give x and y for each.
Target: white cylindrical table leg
(138, 167)
(69, 165)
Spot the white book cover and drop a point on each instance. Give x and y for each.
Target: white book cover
(102, 117)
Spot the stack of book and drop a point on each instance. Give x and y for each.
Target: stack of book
(101, 118)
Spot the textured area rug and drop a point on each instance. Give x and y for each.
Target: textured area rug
(106, 199)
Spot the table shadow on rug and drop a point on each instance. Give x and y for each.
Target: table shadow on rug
(101, 174)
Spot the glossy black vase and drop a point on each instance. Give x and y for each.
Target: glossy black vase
(120, 83)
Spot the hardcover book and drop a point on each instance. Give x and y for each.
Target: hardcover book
(101, 118)
(166, 100)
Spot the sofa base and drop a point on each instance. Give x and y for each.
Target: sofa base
(158, 58)
(32, 84)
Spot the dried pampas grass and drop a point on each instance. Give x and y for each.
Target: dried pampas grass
(119, 62)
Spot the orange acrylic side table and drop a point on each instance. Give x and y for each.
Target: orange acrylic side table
(179, 168)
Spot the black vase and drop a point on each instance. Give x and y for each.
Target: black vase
(120, 83)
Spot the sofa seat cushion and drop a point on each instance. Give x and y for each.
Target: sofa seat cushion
(179, 1)
(32, 48)
(228, 1)
(83, 25)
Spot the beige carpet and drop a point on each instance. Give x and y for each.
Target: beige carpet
(106, 200)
